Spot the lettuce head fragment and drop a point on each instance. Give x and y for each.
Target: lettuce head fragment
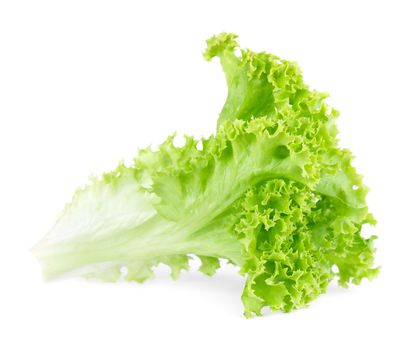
(271, 192)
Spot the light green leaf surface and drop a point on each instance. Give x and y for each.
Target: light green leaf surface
(270, 192)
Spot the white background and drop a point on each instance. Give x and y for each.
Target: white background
(85, 83)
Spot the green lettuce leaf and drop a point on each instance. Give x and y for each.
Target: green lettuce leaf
(271, 192)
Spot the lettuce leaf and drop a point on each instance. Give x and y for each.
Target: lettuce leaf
(271, 192)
